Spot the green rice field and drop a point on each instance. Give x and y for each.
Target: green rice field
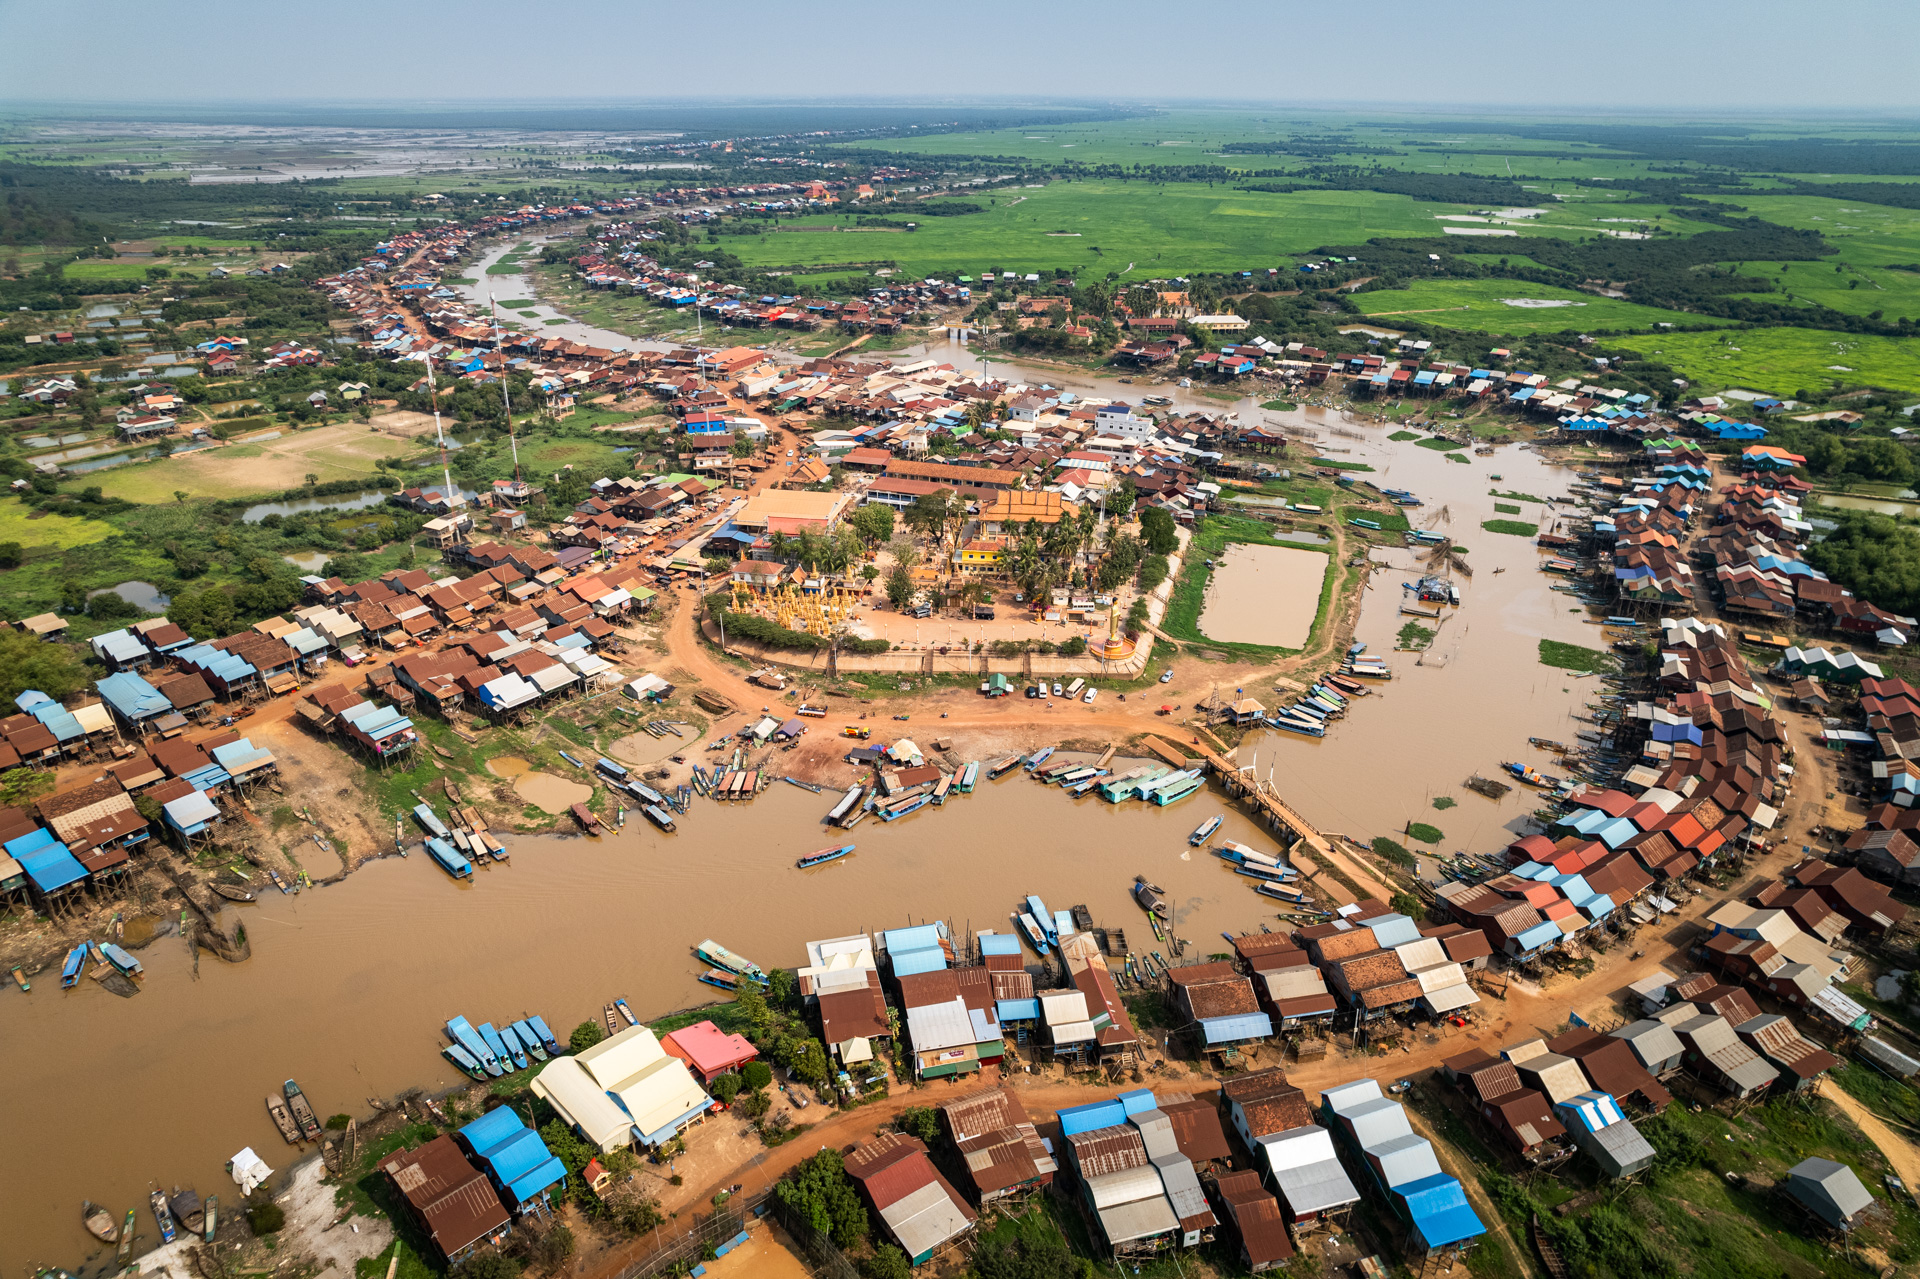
(1484, 306)
(1785, 361)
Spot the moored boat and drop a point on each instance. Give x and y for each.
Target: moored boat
(588, 822)
(120, 959)
(626, 1013)
(718, 977)
(530, 1039)
(449, 859)
(714, 953)
(302, 1111)
(969, 776)
(511, 1038)
(491, 1038)
(126, 1235)
(232, 892)
(1204, 831)
(546, 1036)
(70, 971)
(99, 1222)
(161, 1215)
(213, 1218)
(1000, 768)
(1036, 935)
(283, 1119)
(1039, 757)
(461, 1031)
(1044, 917)
(1271, 889)
(659, 817)
(900, 808)
(824, 856)
(1150, 897)
(468, 1064)
(186, 1209)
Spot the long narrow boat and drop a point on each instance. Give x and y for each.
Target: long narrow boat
(848, 802)
(511, 1038)
(461, 1031)
(283, 1119)
(1271, 874)
(126, 1236)
(1044, 917)
(1036, 935)
(611, 769)
(302, 1110)
(162, 1215)
(941, 789)
(1150, 897)
(546, 1036)
(70, 971)
(120, 959)
(824, 856)
(213, 1218)
(1001, 767)
(491, 1038)
(900, 808)
(644, 793)
(969, 777)
(449, 859)
(1293, 895)
(430, 821)
(1039, 757)
(571, 760)
(1204, 831)
(99, 1222)
(611, 1020)
(1080, 788)
(626, 1013)
(1292, 725)
(530, 1039)
(465, 1060)
(714, 953)
(659, 816)
(1174, 794)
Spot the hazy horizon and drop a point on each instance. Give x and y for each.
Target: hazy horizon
(1641, 57)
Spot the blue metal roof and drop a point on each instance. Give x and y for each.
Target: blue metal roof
(1137, 1101)
(1539, 935)
(1017, 1009)
(1439, 1210)
(999, 944)
(238, 754)
(132, 697)
(518, 1162)
(1222, 1030)
(47, 862)
(1096, 1114)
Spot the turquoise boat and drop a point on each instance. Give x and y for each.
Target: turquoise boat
(70, 971)
(450, 859)
(491, 1038)
(530, 1040)
(120, 959)
(462, 1032)
(546, 1036)
(719, 956)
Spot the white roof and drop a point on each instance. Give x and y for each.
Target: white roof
(1448, 998)
(931, 1027)
(189, 810)
(93, 717)
(655, 1088)
(1065, 1007)
(1342, 1098)
(1297, 1147)
(1114, 1188)
(925, 1219)
(583, 1103)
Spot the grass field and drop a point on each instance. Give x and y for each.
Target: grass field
(1859, 279)
(1138, 229)
(106, 269)
(58, 531)
(266, 466)
(1786, 361)
(1480, 305)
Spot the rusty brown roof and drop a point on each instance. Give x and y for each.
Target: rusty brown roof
(1256, 1215)
(1104, 1150)
(450, 1195)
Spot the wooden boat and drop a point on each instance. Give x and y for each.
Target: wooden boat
(120, 959)
(659, 816)
(465, 1060)
(1151, 897)
(1487, 786)
(70, 971)
(718, 977)
(626, 1013)
(213, 1218)
(824, 856)
(540, 1028)
(1546, 744)
(612, 1020)
(1543, 1247)
(99, 1222)
(1000, 768)
(900, 808)
(1038, 758)
(302, 1111)
(278, 882)
(187, 1210)
(1271, 889)
(588, 822)
(126, 1236)
(571, 760)
(231, 892)
(1044, 917)
(1204, 831)
(283, 1119)
(162, 1215)
(20, 979)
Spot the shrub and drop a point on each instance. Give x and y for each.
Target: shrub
(1390, 851)
(756, 1075)
(266, 1218)
(585, 1036)
(339, 1122)
(725, 1088)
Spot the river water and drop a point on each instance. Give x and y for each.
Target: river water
(348, 986)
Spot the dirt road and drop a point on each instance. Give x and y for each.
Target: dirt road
(1901, 1153)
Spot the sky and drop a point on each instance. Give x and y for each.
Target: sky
(1640, 55)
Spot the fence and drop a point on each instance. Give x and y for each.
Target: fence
(688, 1246)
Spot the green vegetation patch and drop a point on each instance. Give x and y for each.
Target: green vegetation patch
(1786, 361)
(1444, 802)
(1393, 852)
(1506, 509)
(1341, 466)
(1280, 406)
(1487, 306)
(1572, 657)
(1439, 445)
(1401, 437)
(1424, 833)
(60, 531)
(1517, 497)
(1518, 528)
(1210, 538)
(1414, 637)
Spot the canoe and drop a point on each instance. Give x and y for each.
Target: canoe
(302, 1110)
(126, 1235)
(465, 1060)
(120, 959)
(70, 971)
(99, 1222)
(162, 1215)
(213, 1218)
(824, 856)
(231, 893)
(186, 1208)
(540, 1028)
(626, 1013)
(283, 1119)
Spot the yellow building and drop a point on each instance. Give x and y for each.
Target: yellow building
(979, 556)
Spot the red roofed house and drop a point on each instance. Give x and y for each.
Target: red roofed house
(710, 1051)
(919, 1208)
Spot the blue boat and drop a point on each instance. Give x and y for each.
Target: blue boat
(464, 1060)
(546, 1036)
(461, 1031)
(725, 981)
(1177, 792)
(1043, 917)
(611, 769)
(626, 1013)
(70, 971)
(120, 959)
(571, 760)
(511, 1038)
(1062, 922)
(1293, 895)
(530, 1040)
(1204, 831)
(824, 856)
(913, 805)
(1038, 758)
(968, 777)
(1303, 727)
(491, 1037)
(429, 821)
(450, 859)
(1360, 523)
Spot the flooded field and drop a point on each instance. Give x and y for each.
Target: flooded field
(1263, 595)
(349, 985)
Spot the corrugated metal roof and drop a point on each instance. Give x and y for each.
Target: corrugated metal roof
(1403, 1159)
(1140, 1219)
(1224, 1030)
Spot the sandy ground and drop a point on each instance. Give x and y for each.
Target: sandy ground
(765, 1255)
(312, 1210)
(1901, 1153)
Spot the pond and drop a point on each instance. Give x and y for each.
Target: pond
(104, 310)
(308, 561)
(101, 463)
(259, 511)
(1878, 505)
(142, 595)
(1263, 595)
(48, 441)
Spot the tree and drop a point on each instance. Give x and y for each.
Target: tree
(753, 1006)
(181, 495)
(1157, 528)
(585, 1036)
(725, 1088)
(1029, 1257)
(874, 523)
(782, 988)
(919, 1121)
(820, 1191)
(11, 553)
(27, 661)
(486, 1265)
(549, 1249)
(899, 586)
(870, 571)
(312, 479)
(741, 447)
(756, 1075)
(887, 1262)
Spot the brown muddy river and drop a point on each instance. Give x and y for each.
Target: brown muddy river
(349, 985)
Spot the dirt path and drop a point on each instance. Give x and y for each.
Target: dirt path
(1901, 1153)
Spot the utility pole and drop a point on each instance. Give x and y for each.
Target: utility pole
(505, 402)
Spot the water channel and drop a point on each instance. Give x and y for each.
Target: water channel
(349, 985)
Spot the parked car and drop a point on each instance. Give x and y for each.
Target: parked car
(1166, 675)
(1091, 694)
(1056, 688)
